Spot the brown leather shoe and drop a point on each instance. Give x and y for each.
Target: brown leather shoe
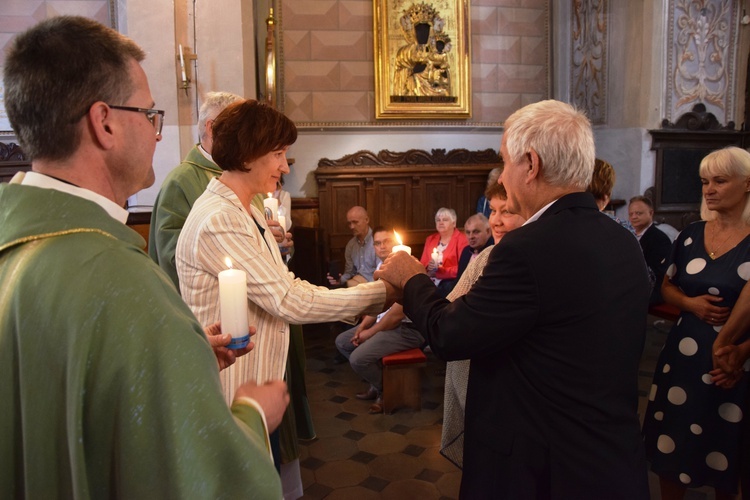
(377, 406)
(368, 395)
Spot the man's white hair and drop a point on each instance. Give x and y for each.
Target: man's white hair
(213, 104)
(560, 135)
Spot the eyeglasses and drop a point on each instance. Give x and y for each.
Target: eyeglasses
(155, 116)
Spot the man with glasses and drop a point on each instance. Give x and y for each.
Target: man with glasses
(110, 387)
(377, 336)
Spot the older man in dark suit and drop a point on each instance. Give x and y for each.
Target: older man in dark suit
(554, 328)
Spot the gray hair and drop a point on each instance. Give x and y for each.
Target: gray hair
(494, 175)
(560, 135)
(54, 72)
(213, 104)
(449, 212)
(478, 218)
(731, 162)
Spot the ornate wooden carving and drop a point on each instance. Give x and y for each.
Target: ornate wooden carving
(696, 119)
(414, 157)
(12, 160)
(11, 152)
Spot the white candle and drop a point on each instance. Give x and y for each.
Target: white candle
(400, 247)
(435, 255)
(282, 223)
(233, 302)
(271, 206)
(182, 65)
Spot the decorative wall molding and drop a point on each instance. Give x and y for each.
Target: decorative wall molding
(589, 58)
(702, 46)
(413, 157)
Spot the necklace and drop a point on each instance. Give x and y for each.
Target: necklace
(716, 249)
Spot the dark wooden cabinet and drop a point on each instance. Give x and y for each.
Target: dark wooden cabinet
(400, 190)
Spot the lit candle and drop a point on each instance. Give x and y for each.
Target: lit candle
(271, 206)
(282, 223)
(400, 247)
(233, 302)
(182, 65)
(435, 256)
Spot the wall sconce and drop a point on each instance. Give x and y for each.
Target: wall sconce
(185, 54)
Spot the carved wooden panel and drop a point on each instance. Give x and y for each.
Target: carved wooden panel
(12, 160)
(401, 190)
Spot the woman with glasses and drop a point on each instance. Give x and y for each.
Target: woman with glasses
(442, 251)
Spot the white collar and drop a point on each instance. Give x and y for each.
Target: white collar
(206, 154)
(46, 182)
(540, 212)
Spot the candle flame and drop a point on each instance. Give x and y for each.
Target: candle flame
(228, 262)
(398, 238)
(270, 195)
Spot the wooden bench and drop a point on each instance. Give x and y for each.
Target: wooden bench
(402, 380)
(665, 311)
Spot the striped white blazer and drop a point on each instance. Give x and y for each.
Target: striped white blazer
(217, 227)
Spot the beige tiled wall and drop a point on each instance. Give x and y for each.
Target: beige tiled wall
(329, 69)
(18, 15)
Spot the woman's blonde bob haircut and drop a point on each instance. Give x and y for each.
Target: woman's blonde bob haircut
(730, 162)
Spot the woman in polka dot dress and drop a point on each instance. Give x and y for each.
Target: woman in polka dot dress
(692, 428)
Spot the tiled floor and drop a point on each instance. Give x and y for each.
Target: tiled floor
(361, 456)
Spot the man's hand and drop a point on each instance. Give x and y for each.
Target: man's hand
(218, 341)
(398, 268)
(333, 281)
(272, 396)
(286, 244)
(361, 337)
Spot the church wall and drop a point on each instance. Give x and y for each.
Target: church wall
(326, 70)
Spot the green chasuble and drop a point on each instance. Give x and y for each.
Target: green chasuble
(183, 185)
(108, 385)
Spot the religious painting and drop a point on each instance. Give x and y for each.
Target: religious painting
(422, 59)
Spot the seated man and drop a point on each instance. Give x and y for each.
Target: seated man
(655, 244)
(477, 229)
(375, 337)
(359, 254)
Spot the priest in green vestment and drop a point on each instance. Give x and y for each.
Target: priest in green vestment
(183, 185)
(110, 388)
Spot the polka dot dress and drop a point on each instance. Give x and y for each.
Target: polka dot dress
(692, 428)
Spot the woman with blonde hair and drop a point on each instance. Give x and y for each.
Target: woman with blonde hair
(692, 427)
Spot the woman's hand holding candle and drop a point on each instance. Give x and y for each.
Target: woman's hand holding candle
(219, 342)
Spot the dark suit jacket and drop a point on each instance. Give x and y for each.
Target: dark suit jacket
(466, 253)
(551, 408)
(656, 248)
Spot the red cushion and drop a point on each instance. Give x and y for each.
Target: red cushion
(666, 311)
(405, 357)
